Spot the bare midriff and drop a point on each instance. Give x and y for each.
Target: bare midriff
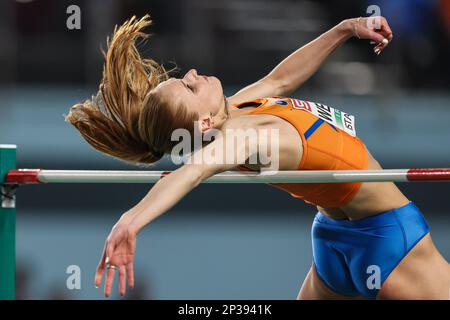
(372, 198)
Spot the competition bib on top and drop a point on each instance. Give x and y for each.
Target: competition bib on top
(339, 119)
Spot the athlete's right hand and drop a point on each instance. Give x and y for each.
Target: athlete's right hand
(375, 29)
(118, 253)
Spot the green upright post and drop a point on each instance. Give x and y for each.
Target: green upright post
(7, 225)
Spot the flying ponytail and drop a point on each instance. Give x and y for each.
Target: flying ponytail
(109, 121)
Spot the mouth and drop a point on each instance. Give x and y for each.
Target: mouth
(206, 78)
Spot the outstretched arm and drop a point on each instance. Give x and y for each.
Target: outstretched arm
(120, 245)
(173, 187)
(298, 67)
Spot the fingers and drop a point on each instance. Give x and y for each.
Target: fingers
(375, 36)
(383, 35)
(100, 269)
(130, 275)
(378, 38)
(386, 30)
(378, 31)
(381, 46)
(122, 280)
(109, 281)
(109, 250)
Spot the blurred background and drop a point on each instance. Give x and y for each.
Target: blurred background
(221, 241)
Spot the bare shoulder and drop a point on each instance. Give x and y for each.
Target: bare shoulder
(277, 137)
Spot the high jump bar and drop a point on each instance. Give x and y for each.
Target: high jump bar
(31, 176)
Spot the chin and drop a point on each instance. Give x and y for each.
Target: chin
(219, 85)
(217, 81)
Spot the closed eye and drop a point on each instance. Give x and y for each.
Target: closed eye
(187, 86)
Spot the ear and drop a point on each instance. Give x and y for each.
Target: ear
(205, 123)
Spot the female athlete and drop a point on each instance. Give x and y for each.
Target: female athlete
(369, 241)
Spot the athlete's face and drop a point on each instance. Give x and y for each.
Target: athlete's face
(198, 93)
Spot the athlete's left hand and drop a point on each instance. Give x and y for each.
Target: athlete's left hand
(375, 29)
(118, 253)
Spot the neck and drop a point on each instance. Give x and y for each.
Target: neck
(228, 112)
(236, 112)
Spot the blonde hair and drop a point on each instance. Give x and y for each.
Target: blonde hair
(111, 121)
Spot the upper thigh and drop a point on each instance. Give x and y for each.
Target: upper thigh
(314, 288)
(422, 274)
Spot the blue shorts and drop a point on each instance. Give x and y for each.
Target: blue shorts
(356, 257)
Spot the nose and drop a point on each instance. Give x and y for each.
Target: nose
(194, 72)
(191, 74)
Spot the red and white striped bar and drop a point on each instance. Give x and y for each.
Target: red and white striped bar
(27, 176)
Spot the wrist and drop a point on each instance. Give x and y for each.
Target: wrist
(126, 218)
(126, 222)
(134, 227)
(347, 27)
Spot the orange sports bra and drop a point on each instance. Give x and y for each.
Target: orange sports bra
(329, 143)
